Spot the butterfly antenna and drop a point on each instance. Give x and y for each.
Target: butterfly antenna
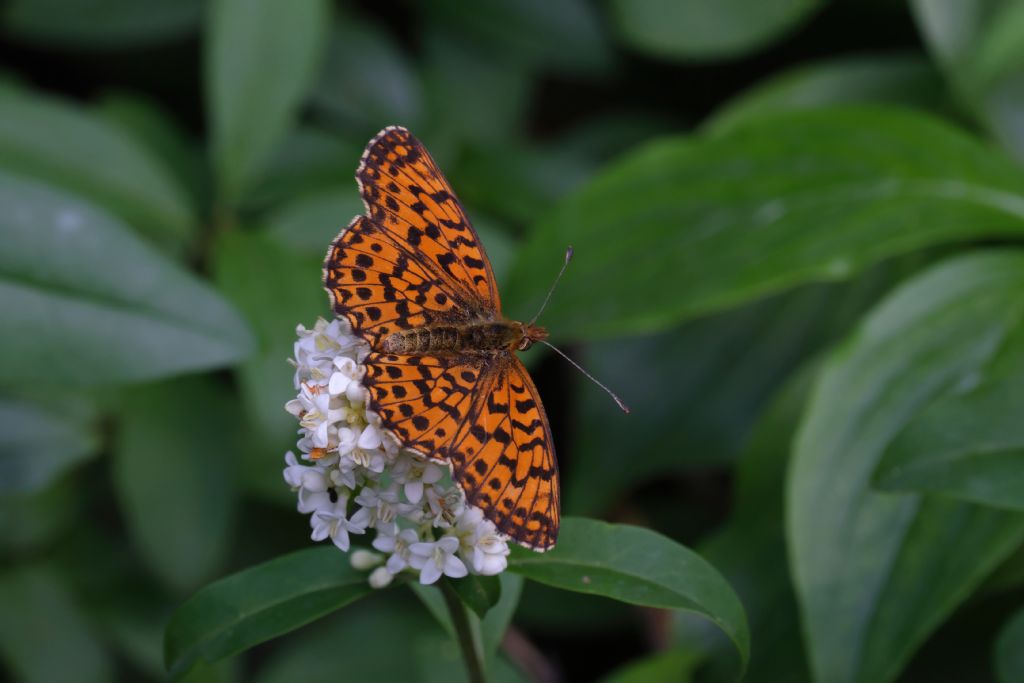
(593, 379)
(568, 257)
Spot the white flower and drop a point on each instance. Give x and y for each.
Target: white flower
(437, 558)
(332, 522)
(396, 544)
(311, 483)
(413, 473)
(419, 518)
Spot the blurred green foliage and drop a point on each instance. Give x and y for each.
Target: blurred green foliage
(797, 228)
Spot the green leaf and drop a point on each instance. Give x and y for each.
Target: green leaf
(567, 37)
(969, 444)
(478, 593)
(367, 81)
(858, 556)
(129, 182)
(310, 223)
(101, 24)
(85, 301)
(670, 666)
(905, 79)
(637, 566)
(978, 44)
(306, 162)
(737, 216)
(358, 644)
(156, 129)
(260, 603)
(718, 381)
(1009, 651)
(38, 614)
(174, 461)
(39, 442)
(494, 625)
(262, 56)
(706, 29)
(274, 306)
(29, 523)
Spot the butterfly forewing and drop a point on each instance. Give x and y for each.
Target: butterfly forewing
(406, 193)
(415, 262)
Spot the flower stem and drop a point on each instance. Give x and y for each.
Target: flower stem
(468, 643)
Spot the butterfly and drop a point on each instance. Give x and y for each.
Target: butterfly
(415, 283)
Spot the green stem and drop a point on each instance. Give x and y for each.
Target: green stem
(471, 652)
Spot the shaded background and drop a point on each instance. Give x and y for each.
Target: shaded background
(141, 446)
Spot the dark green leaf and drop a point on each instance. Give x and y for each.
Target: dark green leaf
(39, 442)
(307, 161)
(176, 451)
(84, 300)
(978, 44)
(38, 615)
(262, 57)
(691, 226)
(260, 603)
(310, 223)
(717, 379)
(366, 80)
(706, 29)
(1009, 654)
(566, 36)
(864, 617)
(670, 666)
(274, 306)
(906, 79)
(129, 182)
(370, 641)
(637, 566)
(101, 24)
(155, 129)
(969, 444)
(30, 523)
(494, 625)
(478, 593)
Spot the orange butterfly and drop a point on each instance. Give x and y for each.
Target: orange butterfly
(415, 283)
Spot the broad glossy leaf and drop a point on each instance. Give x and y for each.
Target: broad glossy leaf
(969, 444)
(86, 301)
(636, 566)
(1009, 651)
(38, 614)
(129, 182)
(366, 79)
(177, 449)
(261, 58)
(690, 226)
(858, 556)
(478, 593)
(260, 603)
(276, 289)
(706, 29)
(907, 79)
(41, 441)
(101, 24)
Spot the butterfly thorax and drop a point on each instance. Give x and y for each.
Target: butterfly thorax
(484, 336)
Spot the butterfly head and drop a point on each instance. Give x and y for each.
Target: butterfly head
(530, 333)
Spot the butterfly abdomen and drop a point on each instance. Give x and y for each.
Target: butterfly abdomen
(446, 339)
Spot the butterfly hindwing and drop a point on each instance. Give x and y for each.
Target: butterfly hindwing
(504, 459)
(423, 400)
(406, 193)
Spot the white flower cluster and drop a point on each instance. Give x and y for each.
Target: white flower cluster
(355, 477)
